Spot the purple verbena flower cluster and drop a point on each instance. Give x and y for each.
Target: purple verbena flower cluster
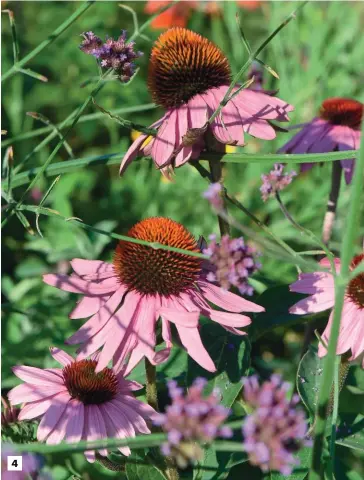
(275, 181)
(191, 420)
(276, 429)
(213, 195)
(233, 263)
(116, 54)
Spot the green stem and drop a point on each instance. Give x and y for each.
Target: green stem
(69, 166)
(14, 69)
(332, 202)
(151, 385)
(76, 221)
(84, 118)
(341, 280)
(216, 177)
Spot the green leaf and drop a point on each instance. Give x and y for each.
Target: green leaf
(135, 471)
(276, 301)
(231, 355)
(352, 436)
(309, 380)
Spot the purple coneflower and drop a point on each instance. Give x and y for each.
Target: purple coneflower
(76, 403)
(191, 421)
(275, 181)
(233, 262)
(116, 54)
(189, 76)
(337, 127)
(126, 298)
(276, 429)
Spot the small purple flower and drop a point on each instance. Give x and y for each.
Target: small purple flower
(276, 429)
(213, 195)
(31, 464)
(116, 54)
(191, 420)
(275, 181)
(233, 263)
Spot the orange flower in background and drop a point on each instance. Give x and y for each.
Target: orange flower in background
(176, 16)
(179, 14)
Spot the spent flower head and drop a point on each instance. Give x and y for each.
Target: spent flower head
(233, 262)
(116, 54)
(275, 181)
(191, 421)
(276, 429)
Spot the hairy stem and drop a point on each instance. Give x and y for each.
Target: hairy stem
(216, 177)
(151, 387)
(332, 203)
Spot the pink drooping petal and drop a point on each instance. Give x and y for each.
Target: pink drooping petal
(95, 268)
(75, 284)
(198, 111)
(136, 147)
(263, 106)
(218, 128)
(180, 317)
(229, 319)
(183, 125)
(227, 300)
(145, 410)
(61, 356)
(147, 318)
(307, 137)
(75, 423)
(234, 330)
(357, 347)
(59, 431)
(191, 340)
(132, 153)
(135, 419)
(325, 262)
(88, 306)
(100, 319)
(35, 409)
(232, 121)
(165, 142)
(113, 427)
(52, 415)
(318, 302)
(316, 282)
(32, 393)
(36, 376)
(125, 386)
(126, 329)
(96, 426)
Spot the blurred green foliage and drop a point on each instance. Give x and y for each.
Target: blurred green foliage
(316, 56)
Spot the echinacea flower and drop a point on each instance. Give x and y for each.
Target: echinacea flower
(233, 262)
(276, 429)
(125, 298)
(320, 288)
(337, 127)
(192, 420)
(116, 54)
(189, 77)
(275, 181)
(76, 403)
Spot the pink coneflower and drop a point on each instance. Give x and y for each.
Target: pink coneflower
(337, 127)
(320, 287)
(276, 429)
(76, 403)
(126, 298)
(191, 421)
(188, 77)
(275, 181)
